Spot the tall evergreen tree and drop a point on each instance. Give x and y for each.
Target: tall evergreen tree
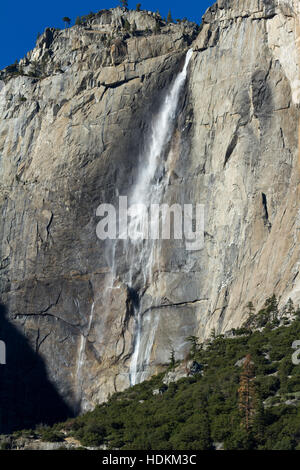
(259, 421)
(169, 18)
(272, 307)
(247, 393)
(194, 341)
(289, 309)
(172, 359)
(250, 308)
(157, 28)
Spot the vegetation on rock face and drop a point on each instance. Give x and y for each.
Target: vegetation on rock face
(5, 445)
(51, 435)
(247, 396)
(126, 25)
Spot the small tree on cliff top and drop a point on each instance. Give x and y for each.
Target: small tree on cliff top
(67, 21)
(124, 3)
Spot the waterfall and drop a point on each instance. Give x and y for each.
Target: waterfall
(162, 129)
(149, 189)
(81, 353)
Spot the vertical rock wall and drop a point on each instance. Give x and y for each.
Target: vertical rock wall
(74, 121)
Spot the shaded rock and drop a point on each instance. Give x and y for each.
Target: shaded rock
(160, 391)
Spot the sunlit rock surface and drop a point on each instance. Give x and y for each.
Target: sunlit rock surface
(76, 116)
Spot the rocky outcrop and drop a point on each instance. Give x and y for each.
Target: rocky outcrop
(185, 369)
(75, 116)
(248, 129)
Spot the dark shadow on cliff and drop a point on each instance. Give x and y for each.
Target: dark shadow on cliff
(27, 397)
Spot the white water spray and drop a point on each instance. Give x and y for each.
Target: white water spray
(162, 129)
(149, 189)
(81, 354)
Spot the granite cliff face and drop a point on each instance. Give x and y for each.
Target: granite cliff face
(76, 116)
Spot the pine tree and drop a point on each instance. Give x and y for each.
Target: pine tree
(259, 422)
(290, 309)
(250, 308)
(247, 394)
(138, 7)
(194, 343)
(67, 21)
(213, 334)
(124, 3)
(157, 28)
(169, 18)
(250, 315)
(272, 307)
(172, 359)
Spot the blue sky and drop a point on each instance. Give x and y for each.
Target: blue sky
(22, 20)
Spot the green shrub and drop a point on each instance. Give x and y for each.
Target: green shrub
(50, 435)
(5, 445)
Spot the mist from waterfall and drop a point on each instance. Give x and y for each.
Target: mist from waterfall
(82, 355)
(142, 255)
